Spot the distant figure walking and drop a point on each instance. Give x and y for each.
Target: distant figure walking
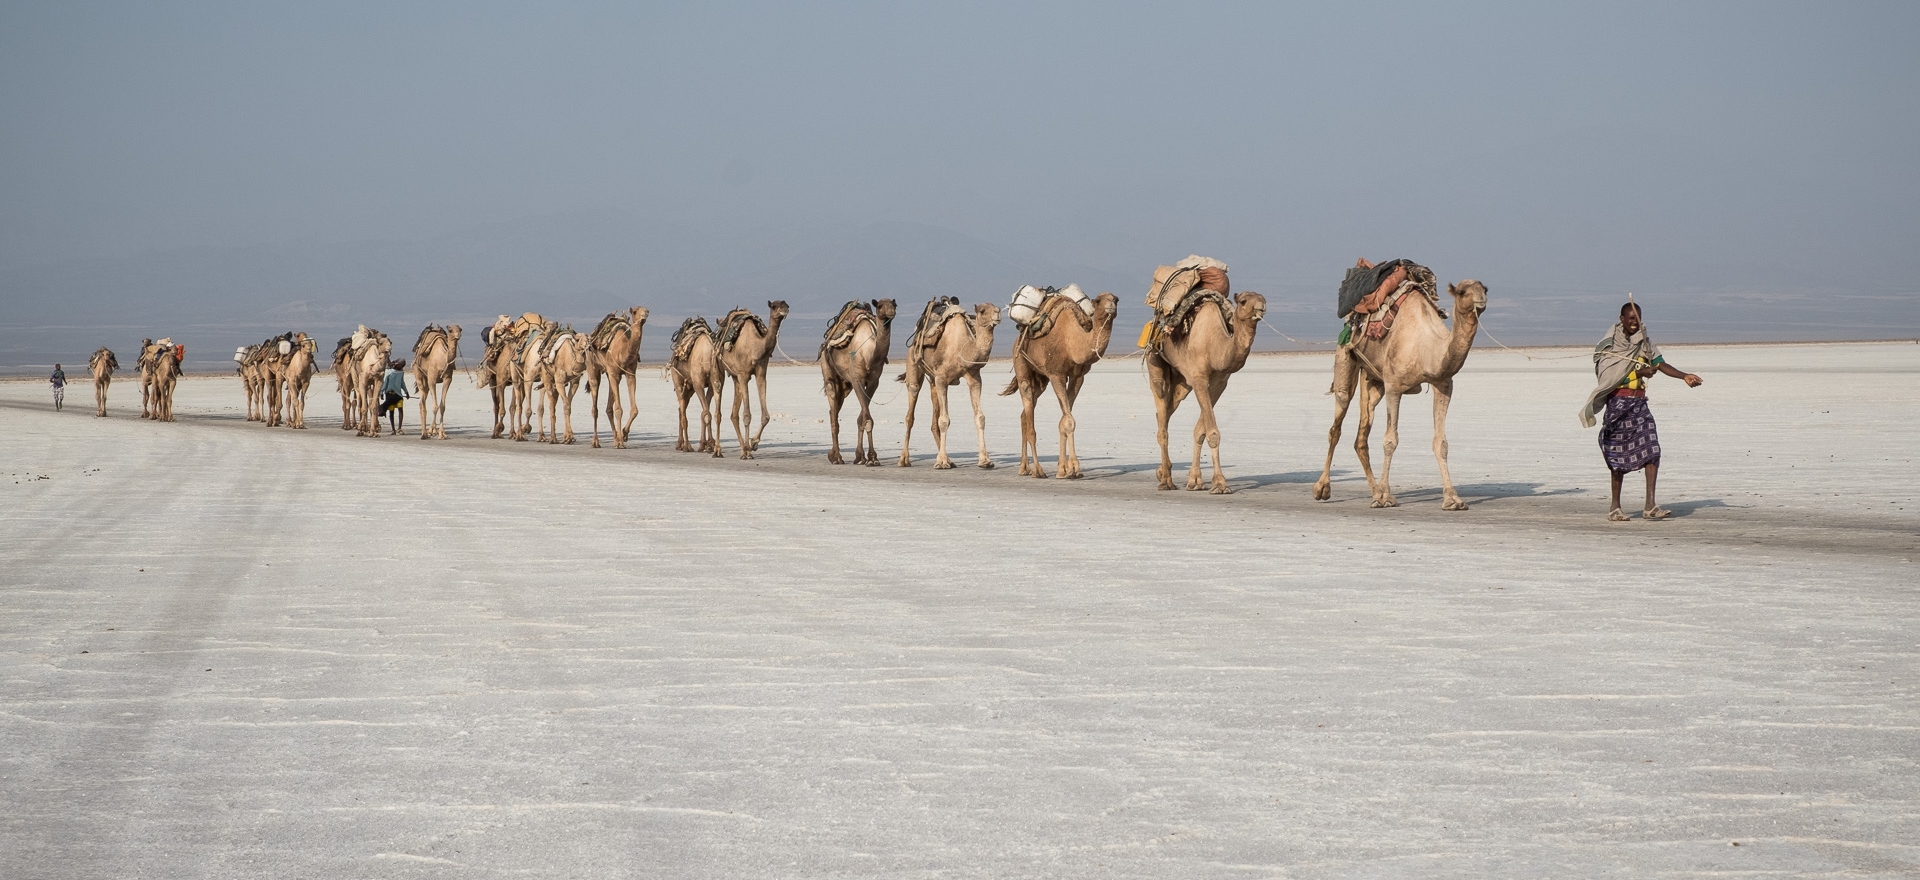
(393, 390)
(59, 382)
(1623, 362)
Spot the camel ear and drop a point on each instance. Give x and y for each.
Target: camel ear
(1453, 289)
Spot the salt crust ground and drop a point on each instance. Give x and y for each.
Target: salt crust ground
(228, 651)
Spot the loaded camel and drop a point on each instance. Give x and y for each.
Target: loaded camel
(367, 366)
(343, 381)
(852, 358)
(434, 354)
(1069, 344)
(1199, 356)
(500, 366)
(298, 374)
(530, 366)
(102, 365)
(694, 371)
(954, 348)
(1419, 348)
(746, 346)
(159, 370)
(562, 364)
(614, 352)
(247, 364)
(276, 354)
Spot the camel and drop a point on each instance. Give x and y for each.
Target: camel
(529, 371)
(745, 359)
(1061, 358)
(960, 346)
(562, 364)
(143, 367)
(852, 359)
(434, 355)
(160, 369)
(102, 365)
(614, 351)
(1200, 357)
(298, 375)
(1418, 349)
(343, 381)
(500, 366)
(276, 355)
(695, 371)
(247, 364)
(360, 363)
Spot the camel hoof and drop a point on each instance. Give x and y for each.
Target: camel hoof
(986, 465)
(904, 462)
(1385, 502)
(1072, 476)
(943, 465)
(1453, 504)
(1322, 492)
(596, 444)
(1221, 489)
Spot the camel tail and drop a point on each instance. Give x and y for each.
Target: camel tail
(1012, 386)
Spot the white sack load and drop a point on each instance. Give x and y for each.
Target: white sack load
(1026, 302)
(286, 347)
(240, 354)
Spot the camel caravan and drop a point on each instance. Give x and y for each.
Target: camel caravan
(1395, 340)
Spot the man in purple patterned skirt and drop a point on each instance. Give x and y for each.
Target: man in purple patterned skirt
(1623, 362)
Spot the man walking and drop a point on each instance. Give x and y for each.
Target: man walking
(1629, 441)
(59, 381)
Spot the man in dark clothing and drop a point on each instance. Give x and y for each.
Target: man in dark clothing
(59, 381)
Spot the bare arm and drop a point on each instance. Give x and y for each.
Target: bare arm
(1670, 370)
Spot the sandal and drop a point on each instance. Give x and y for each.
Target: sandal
(1615, 515)
(1656, 513)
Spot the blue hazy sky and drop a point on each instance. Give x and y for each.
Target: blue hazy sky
(1582, 145)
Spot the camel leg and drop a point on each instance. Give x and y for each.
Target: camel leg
(1370, 392)
(719, 449)
(863, 446)
(1211, 416)
(593, 405)
(760, 384)
(979, 417)
(1030, 430)
(1384, 497)
(913, 378)
(685, 396)
(1167, 394)
(836, 396)
(942, 421)
(1066, 467)
(1345, 372)
(633, 409)
(573, 387)
(1442, 398)
(740, 399)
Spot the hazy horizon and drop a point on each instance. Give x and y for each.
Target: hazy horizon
(1747, 167)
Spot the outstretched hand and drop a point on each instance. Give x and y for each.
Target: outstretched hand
(1692, 380)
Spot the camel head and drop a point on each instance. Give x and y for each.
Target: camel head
(776, 309)
(1469, 295)
(986, 315)
(1249, 306)
(885, 309)
(453, 335)
(1106, 306)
